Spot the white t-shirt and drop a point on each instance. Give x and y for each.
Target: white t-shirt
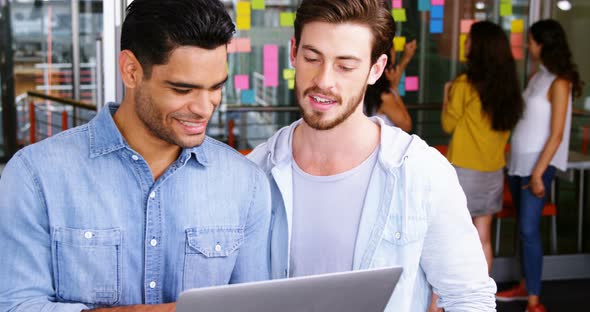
(533, 129)
(326, 216)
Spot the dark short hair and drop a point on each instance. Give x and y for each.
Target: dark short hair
(372, 13)
(153, 28)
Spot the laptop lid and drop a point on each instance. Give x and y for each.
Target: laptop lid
(354, 291)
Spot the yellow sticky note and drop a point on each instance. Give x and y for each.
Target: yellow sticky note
(243, 22)
(243, 8)
(462, 39)
(399, 43)
(291, 84)
(505, 9)
(517, 26)
(287, 19)
(399, 15)
(288, 73)
(258, 5)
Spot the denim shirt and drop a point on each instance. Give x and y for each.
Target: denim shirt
(83, 224)
(414, 216)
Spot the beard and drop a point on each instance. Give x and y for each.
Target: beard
(154, 120)
(315, 119)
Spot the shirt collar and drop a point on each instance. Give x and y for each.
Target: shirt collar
(106, 138)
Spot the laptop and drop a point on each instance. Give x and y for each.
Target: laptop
(354, 291)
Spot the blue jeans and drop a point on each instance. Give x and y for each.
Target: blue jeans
(529, 209)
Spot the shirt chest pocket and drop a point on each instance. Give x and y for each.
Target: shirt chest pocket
(210, 255)
(87, 265)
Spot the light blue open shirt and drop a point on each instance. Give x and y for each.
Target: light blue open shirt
(83, 224)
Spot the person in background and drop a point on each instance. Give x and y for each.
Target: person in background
(383, 99)
(539, 146)
(129, 210)
(480, 108)
(351, 193)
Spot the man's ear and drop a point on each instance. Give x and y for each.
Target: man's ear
(293, 51)
(131, 70)
(377, 69)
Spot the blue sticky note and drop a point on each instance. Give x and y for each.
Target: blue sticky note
(437, 11)
(436, 26)
(248, 97)
(423, 5)
(401, 88)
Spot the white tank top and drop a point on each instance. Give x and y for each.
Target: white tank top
(533, 129)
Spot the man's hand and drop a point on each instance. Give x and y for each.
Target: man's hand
(167, 307)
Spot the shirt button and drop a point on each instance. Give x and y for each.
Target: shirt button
(398, 235)
(135, 157)
(153, 195)
(88, 235)
(153, 242)
(152, 284)
(218, 248)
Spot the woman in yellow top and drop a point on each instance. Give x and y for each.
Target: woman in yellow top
(480, 108)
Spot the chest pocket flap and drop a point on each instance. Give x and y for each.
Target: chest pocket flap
(214, 241)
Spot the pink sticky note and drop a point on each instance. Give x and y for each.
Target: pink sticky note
(271, 65)
(232, 46)
(411, 83)
(437, 2)
(466, 26)
(244, 45)
(242, 82)
(516, 39)
(518, 53)
(396, 4)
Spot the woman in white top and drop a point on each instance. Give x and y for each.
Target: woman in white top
(539, 146)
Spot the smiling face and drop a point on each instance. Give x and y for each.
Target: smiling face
(177, 101)
(333, 72)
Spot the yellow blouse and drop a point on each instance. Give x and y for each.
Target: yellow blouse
(474, 144)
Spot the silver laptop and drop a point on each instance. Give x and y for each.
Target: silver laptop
(364, 290)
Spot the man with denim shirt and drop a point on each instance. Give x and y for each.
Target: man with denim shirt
(351, 193)
(138, 205)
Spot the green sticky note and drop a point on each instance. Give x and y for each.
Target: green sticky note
(505, 9)
(287, 19)
(399, 15)
(288, 73)
(258, 5)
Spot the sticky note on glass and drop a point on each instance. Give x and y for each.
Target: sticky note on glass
(243, 45)
(288, 73)
(243, 8)
(462, 39)
(248, 97)
(243, 22)
(466, 25)
(270, 56)
(412, 83)
(399, 15)
(242, 82)
(518, 53)
(517, 39)
(436, 26)
(438, 2)
(287, 19)
(505, 9)
(423, 5)
(399, 43)
(437, 11)
(517, 26)
(291, 84)
(401, 88)
(232, 46)
(258, 5)
(396, 4)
